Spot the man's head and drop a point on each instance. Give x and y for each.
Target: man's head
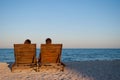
(48, 41)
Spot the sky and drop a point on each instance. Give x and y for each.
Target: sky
(74, 23)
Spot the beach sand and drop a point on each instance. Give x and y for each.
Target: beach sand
(83, 70)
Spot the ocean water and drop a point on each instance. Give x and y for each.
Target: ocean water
(7, 55)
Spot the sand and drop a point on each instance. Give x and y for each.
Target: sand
(83, 70)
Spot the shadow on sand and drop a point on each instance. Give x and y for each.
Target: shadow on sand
(10, 65)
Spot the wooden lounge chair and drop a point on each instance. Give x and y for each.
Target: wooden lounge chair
(25, 56)
(51, 56)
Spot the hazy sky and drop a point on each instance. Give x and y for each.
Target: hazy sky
(74, 23)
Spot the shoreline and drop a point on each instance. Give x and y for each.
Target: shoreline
(78, 70)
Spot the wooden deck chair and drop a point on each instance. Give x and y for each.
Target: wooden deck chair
(51, 55)
(25, 56)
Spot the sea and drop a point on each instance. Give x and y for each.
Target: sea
(68, 55)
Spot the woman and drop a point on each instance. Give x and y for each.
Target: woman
(27, 41)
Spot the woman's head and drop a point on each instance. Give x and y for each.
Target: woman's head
(48, 41)
(27, 41)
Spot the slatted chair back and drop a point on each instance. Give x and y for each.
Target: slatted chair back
(50, 53)
(25, 53)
